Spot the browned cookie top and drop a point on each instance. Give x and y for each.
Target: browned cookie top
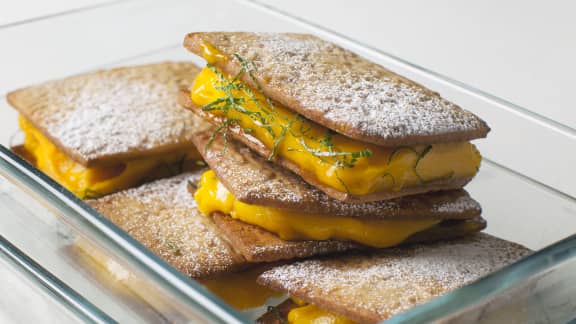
(373, 287)
(127, 112)
(341, 90)
(259, 245)
(162, 215)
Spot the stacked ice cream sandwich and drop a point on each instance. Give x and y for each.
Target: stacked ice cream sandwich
(312, 143)
(316, 150)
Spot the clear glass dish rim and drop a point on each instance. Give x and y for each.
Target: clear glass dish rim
(96, 227)
(52, 285)
(492, 285)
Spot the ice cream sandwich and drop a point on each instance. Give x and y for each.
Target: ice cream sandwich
(269, 213)
(368, 288)
(346, 125)
(105, 131)
(163, 216)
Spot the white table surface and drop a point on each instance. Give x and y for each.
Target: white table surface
(518, 51)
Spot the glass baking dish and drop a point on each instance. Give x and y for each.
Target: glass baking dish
(132, 284)
(96, 272)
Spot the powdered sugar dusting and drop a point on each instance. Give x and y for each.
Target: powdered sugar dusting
(346, 92)
(162, 215)
(114, 111)
(385, 283)
(458, 205)
(172, 192)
